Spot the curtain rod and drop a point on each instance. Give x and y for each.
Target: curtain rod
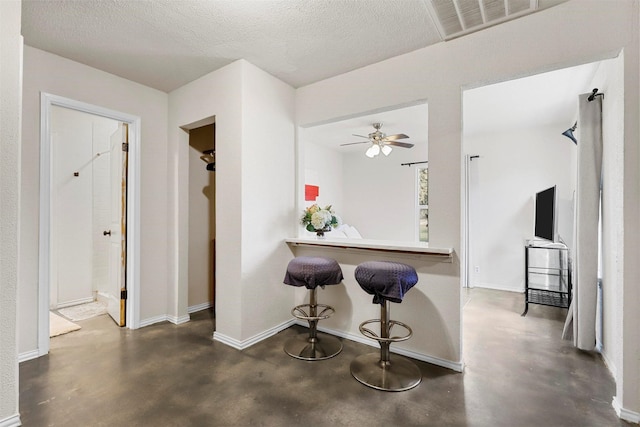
(413, 163)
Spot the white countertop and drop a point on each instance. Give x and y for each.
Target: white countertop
(377, 245)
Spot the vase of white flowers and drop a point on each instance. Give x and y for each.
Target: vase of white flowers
(319, 220)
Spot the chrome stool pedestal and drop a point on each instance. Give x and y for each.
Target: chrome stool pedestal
(387, 282)
(311, 346)
(312, 272)
(377, 370)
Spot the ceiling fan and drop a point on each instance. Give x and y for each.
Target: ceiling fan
(380, 142)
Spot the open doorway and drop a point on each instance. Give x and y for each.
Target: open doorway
(89, 230)
(202, 218)
(88, 220)
(517, 130)
(514, 148)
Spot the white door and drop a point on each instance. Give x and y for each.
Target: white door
(117, 293)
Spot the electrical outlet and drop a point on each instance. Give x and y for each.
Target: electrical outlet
(476, 269)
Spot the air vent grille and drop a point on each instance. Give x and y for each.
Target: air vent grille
(458, 17)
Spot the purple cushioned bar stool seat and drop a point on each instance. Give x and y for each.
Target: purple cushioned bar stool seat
(312, 272)
(388, 282)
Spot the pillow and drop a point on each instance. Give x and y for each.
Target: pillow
(336, 234)
(342, 228)
(351, 232)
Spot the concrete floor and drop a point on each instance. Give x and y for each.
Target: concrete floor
(518, 373)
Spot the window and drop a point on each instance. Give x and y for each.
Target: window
(422, 205)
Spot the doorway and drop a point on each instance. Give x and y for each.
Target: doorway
(514, 147)
(89, 198)
(202, 218)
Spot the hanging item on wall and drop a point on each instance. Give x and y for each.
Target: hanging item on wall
(209, 157)
(311, 192)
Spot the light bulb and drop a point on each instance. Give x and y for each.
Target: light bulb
(373, 151)
(386, 150)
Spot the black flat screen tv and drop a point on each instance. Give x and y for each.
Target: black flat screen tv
(545, 220)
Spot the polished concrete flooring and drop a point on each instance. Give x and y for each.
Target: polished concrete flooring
(518, 373)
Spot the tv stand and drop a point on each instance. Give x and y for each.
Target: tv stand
(547, 274)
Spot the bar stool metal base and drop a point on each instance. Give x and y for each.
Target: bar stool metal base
(397, 374)
(321, 347)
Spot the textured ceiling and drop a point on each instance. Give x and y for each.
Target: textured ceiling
(167, 43)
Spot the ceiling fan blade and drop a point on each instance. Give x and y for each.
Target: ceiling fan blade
(361, 136)
(352, 143)
(399, 144)
(396, 136)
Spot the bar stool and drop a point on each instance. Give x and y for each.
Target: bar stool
(387, 282)
(312, 272)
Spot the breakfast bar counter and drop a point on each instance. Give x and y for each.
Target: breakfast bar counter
(375, 245)
(431, 307)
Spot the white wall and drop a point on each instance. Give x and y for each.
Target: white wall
(216, 94)
(380, 195)
(268, 198)
(540, 42)
(80, 205)
(10, 106)
(101, 165)
(323, 167)
(609, 79)
(254, 195)
(44, 72)
(511, 169)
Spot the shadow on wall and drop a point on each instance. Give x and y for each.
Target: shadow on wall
(431, 328)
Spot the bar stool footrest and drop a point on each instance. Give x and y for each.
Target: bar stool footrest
(370, 334)
(303, 312)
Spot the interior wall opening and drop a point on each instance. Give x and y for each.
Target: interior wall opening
(202, 218)
(86, 219)
(342, 166)
(62, 189)
(514, 146)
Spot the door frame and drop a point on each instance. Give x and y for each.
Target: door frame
(47, 101)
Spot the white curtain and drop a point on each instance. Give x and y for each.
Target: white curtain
(581, 320)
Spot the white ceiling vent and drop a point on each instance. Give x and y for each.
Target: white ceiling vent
(455, 18)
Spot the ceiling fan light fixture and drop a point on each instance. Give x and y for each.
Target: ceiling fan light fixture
(373, 151)
(386, 150)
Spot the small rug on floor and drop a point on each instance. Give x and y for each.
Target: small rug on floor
(83, 311)
(58, 325)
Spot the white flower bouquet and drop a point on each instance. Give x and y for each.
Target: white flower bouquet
(319, 220)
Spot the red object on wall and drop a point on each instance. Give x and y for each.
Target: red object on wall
(311, 192)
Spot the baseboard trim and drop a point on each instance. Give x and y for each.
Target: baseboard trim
(28, 355)
(199, 307)
(164, 317)
(152, 320)
(625, 414)
(12, 421)
(74, 302)
(495, 287)
(241, 345)
(179, 320)
(454, 366)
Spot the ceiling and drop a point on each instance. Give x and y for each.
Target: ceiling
(542, 100)
(165, 44)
